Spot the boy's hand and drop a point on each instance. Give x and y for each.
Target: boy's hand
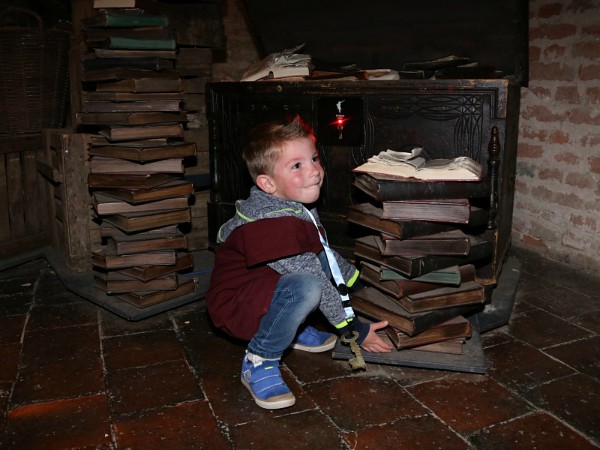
(373, 343)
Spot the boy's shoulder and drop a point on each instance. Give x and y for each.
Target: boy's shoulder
(262, 205)
(272, 239)
(288, 225)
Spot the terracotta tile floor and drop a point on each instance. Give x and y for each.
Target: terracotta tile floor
(73, 375)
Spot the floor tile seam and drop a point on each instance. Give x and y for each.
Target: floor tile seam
(569, 318)
(553, 267)
(224, 429)
(138, 413)
(116, 370)
(71, 357)
(537, 408)
(7, 404)
(556, 281)
(524, 416)
(531, 260)
(347, 435)
(594, 333)
(6, 315)
(126, 333)
(37, 283)
(320, 380)
(434, 415)
(116, 416)
(89, 394)
(20, 365)
(522, 304)
(524, 292)
(137, 333)
(530, 405)
(556, 316)
(187, 357)
(65, 326)
(113, 446)
(222, 426)
(49, 275)
(427, 414)
(554, 380)
(25, 323)
(487, 347)
(15, 297)
(47, 300)
(443, 374)
(57, 329)
(529, 345)
(572, 341)
(590, 439)
(278, 414)
(17, 275)
(350, 375)
(111, 411)
(539, 349)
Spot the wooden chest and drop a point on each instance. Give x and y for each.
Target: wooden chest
(447, 117)
(449, 114)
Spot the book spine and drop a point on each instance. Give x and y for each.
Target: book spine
(397, 190)
(140, 44)
(135, 20)
(435, 317)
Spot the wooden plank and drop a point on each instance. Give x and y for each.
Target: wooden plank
(48, 170)
(59, 233)
(10, 143)
(25, 244)
(25, 223)
(15, 194)
(30, 192)
(37, 213)
(75, 202)
(5, 233)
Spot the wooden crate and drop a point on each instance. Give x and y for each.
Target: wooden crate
(24, 201)
(65, 165)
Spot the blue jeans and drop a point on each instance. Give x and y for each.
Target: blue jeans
(295, 297)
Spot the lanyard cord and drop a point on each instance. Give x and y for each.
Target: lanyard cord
(335, 271)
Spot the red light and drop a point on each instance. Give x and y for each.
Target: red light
(340, 121)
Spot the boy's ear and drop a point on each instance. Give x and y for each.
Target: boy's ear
(265, 183)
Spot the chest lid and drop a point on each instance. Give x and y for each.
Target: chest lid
(393, 33)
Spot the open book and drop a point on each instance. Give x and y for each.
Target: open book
(413, 165)
(287, 63)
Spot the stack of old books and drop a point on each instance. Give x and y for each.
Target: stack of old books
(424, 240)
(131, 105)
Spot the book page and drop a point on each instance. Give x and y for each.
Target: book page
(401, 164)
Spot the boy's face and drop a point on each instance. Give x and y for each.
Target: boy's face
(297, 175)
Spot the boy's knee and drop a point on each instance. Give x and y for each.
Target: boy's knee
(306, 286)
(313, 287)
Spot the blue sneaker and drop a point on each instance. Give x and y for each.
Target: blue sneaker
(314, 341)
(266, 385)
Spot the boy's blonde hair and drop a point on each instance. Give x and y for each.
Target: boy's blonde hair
(266, 142)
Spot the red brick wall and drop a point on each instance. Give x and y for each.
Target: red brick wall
(557, 202)
(557, 199)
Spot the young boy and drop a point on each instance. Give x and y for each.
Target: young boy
(271, 268)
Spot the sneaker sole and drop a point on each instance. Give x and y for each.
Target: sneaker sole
(277, 402)
(327, 345)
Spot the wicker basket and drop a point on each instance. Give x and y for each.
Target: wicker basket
(34, 74)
